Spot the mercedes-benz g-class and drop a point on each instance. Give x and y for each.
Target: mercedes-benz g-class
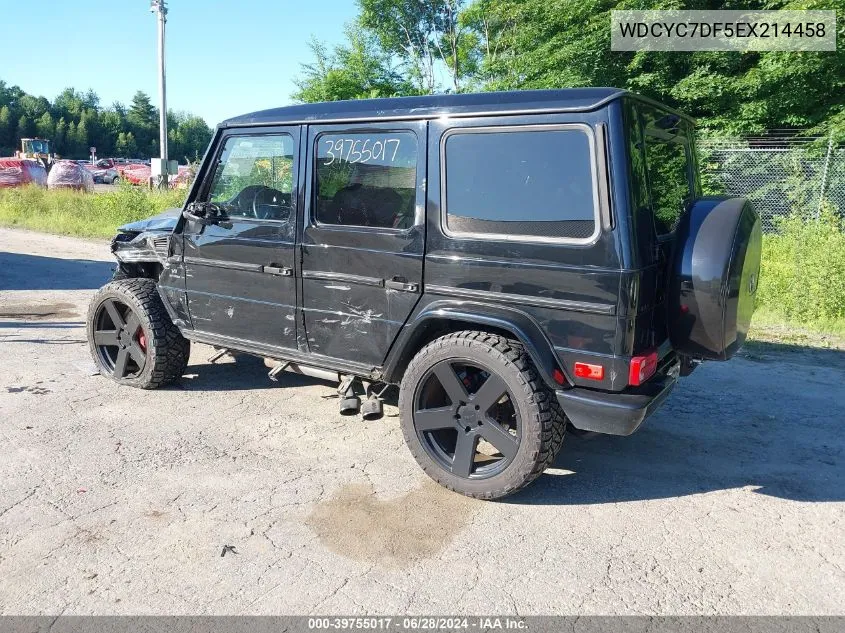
(515, 262)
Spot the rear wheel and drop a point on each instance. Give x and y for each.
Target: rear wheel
(131, 337)
(477, 417)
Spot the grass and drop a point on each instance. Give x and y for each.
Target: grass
(67, 212)
(774, 327)
(802, 281)
(801, 298)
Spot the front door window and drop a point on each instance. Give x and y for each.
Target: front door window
(254, 177)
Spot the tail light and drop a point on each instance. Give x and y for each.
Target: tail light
(588, 370)
(642, 368)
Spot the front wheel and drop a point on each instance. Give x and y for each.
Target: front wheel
(131, 337)
(476, 415)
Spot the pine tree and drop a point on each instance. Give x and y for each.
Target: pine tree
(25, 128)
(60, 137)
(81, 138)
(70, 140)
(7, 134)
(142, 120)
(126, 145)
(75, 121)
(45, 127)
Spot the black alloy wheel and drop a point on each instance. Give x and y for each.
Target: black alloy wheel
(120, 339)
(466, 420)
(131, 336)
(476, 415)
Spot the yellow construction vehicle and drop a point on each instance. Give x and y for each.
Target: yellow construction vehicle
(37, 149)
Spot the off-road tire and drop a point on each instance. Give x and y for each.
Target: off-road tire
(543, 422)
(167, 350)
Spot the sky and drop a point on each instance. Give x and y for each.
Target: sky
(224, 57)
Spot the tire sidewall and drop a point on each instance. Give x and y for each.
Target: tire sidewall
(117, 290)
(531, 431)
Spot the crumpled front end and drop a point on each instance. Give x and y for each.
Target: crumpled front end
(132, 248)
(147, 240)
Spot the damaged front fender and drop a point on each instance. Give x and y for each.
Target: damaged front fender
(147, 240)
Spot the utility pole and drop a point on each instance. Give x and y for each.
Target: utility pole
(160, 8)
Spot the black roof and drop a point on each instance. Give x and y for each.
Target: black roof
(432, 106)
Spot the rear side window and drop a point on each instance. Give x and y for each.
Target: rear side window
(515, 182)
(366, 179)
(669, 169)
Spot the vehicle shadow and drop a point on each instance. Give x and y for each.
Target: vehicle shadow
(20, 271)
(771, 419)
(42, 325)
(746, 423)
(246, 373)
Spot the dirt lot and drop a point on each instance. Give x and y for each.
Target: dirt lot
(731, 500)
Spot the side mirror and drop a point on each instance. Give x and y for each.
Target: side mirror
(206, 213)
(202, 213)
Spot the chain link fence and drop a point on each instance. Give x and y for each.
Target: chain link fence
(780, 175)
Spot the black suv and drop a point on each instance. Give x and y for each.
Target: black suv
(516, 262)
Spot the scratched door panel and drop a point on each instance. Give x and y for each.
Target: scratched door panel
(362, 240)
(229, 293)
(240, 273)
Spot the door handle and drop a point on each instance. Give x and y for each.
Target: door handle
(400, 283)
(281, 271)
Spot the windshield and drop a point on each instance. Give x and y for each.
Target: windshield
(36, 146)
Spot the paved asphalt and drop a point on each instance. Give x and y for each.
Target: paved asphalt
(730, 500)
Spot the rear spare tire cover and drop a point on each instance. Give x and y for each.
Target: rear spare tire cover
(715, 275)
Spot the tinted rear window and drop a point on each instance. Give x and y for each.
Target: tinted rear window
(667, 156)
(531, 183)
(366, 179)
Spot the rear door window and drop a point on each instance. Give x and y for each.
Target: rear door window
(535, 184)
(366, 179)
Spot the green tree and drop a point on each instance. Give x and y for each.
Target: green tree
(566, 43)
(358, 69)
(421, 33)
(81, 142)
(33, 107)
(142, 121)
(68, 104)
(126, 145)
(7, 133)
(75, 121)
(60, 137)
(192, 135)
(44, 127)
(112, 122)
(26, 129)
(71, 144)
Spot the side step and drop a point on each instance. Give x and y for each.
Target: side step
(278, 366)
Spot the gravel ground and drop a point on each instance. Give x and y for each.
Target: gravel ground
(114, 500)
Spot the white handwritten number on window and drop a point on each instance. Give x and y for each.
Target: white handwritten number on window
(361, 150)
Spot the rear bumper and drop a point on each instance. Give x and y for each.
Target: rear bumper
(615, 413)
